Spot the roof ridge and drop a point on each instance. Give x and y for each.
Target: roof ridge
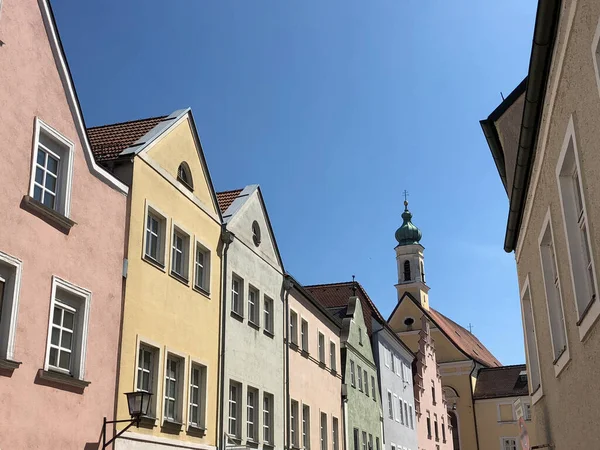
(341, 283)
(126, 122)
(231, 190)
(510, 366)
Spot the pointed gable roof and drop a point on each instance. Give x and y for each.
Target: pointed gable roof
(226, 198)
(462, 339)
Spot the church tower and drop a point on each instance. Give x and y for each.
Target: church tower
(410, 261)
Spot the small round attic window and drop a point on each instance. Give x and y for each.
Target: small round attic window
(256, 233)
(409, 321)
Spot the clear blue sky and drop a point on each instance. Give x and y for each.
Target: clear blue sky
(334, 107)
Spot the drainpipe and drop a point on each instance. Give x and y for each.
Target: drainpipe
(345, 417)
(473, 403)
(287, 287)
(226, 238)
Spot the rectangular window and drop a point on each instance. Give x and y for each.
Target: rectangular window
(433, 391)
(269, 315)
(294, 423)
(332, 358)
(576, 227)
(268, 418)
(323, 431)
(377, 443)
(364, 440)
(393, 447)
(197, 396)
(396, 413)
(373, 388)
(180, 248)
(321, 348)
(253, 306)
(293, 327)
(390, 406)
(410, 416)
(251, 413)
(10, 281)
(366, 383)
(237, 293)
(51, 169)
(335, 436)
(356, 439)
(553, 295)
(443, 430)
(393, 361)
(370, 442)
(235, 392)
(202, 268)
(360, 382)
(428, 425)
(304, 333)
(509, 443)
(306, 427)
(526, 411)
(155, 237)
(401, 412)
(68, 328)
(533, 367)
(435, 427)
(352, 374)
(172, 397)
(406, 413)
(146, 373)
(386, 356)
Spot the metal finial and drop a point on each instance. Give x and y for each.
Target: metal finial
(353, 287)
(405, 193)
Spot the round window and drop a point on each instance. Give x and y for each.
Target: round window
(256, 233)
(409, 321)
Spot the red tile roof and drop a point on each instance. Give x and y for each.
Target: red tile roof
(336, 295)
(108, 141)
(505, 381)
(226, 198)
(464, 340)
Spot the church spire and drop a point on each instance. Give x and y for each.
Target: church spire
(408, 233)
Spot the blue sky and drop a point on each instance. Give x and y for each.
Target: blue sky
(334, 107)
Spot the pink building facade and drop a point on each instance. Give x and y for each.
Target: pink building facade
(61, 248)
(433, 426)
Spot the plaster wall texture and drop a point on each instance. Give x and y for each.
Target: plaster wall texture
(35, 415)
(364, 411)
(492, 423)
(398, 381)
(253, 356)
(160, 310)
(312, 383)
(566, 413)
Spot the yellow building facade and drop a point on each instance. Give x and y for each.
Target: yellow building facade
(172, 288)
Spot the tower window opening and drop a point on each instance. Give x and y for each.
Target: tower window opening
(407, 276)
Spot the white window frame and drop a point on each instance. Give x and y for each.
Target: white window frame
(395, 408)
(156, 385)
(268, 429)
(503, 440)
(332, 356)
(10, 303)
(400, 403)
(586, 302)
(293, 330)
(252, 436)
(527, 411)
(237, 434)
(185, 258)
(64, 186)
(373, 391)
(254, 306)
(204, 283)
(240, 295)
(561, 359)
(323, 433)
(335, 433)
(85, 297)
(202, 392)
(390, 400)
(269, 314)
(532, 354)
(321, 346)
(304, 335)
(359, 375)
(366, 378)
(181, 381)
(386, 356)
(305, 426)
(352, 374)
(294, 421)
(162, 236)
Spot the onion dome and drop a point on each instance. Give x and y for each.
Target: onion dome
(408, 233)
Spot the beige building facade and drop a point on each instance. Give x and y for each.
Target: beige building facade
(546, 153)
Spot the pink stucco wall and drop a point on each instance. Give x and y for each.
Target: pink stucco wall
(35, 415)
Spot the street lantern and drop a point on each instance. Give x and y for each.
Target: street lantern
(138, 404)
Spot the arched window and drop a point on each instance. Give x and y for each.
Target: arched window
(185, 175)
(407, 270)
(454, 425)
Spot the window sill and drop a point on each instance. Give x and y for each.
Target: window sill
(253, 325)
(171, 426)
(268, 333)
(196, 430)
(153, 262)
(201, 290)
(237, 316)
(9, 364)
(180, 278)
(305, 353)
(62, 378)
(588, 319)
(561, 362)
(147, 422)
(49, 215)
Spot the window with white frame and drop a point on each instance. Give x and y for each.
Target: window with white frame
(251, 414)
(364, 440)
(509, 444)
(51, 169)
(321, 348)
(399, 366)
(10, 281)
(306, 427)
(304, 335)
(356, 436)
(352, 374)
(360, 380)
(173, 384)
(202, 268)
(253, 305)
(237, 293)
(533, 367)
(428, 425)
(147, 370)
(366, 383)
(360, 336)
(386, 356)
(67, 335)
(268, 418)
(323, 431)
(401, 412)
(527, 411)
(433, 392)
(370, 441)
(396, 413)
(268, 314)
(393, 362)
(390, 406)
(197, 396)
(553, 293)
(155, 236)
(235, 393)
(410, 416)
(293, 327)
(435, 427)
(335, 436)
(576, 226)
(376, 443)
(393, 447)
(373, 388)
(332, 357)
(180, 247)
(443, 426)
(294, 423)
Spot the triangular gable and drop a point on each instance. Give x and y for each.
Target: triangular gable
(247, 202)
(72, 99)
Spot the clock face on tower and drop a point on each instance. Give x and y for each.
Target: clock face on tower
(256, 233)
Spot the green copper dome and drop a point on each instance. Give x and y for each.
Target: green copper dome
(407, 234)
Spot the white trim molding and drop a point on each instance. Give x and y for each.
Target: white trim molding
(10, 332)
(538, 393)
